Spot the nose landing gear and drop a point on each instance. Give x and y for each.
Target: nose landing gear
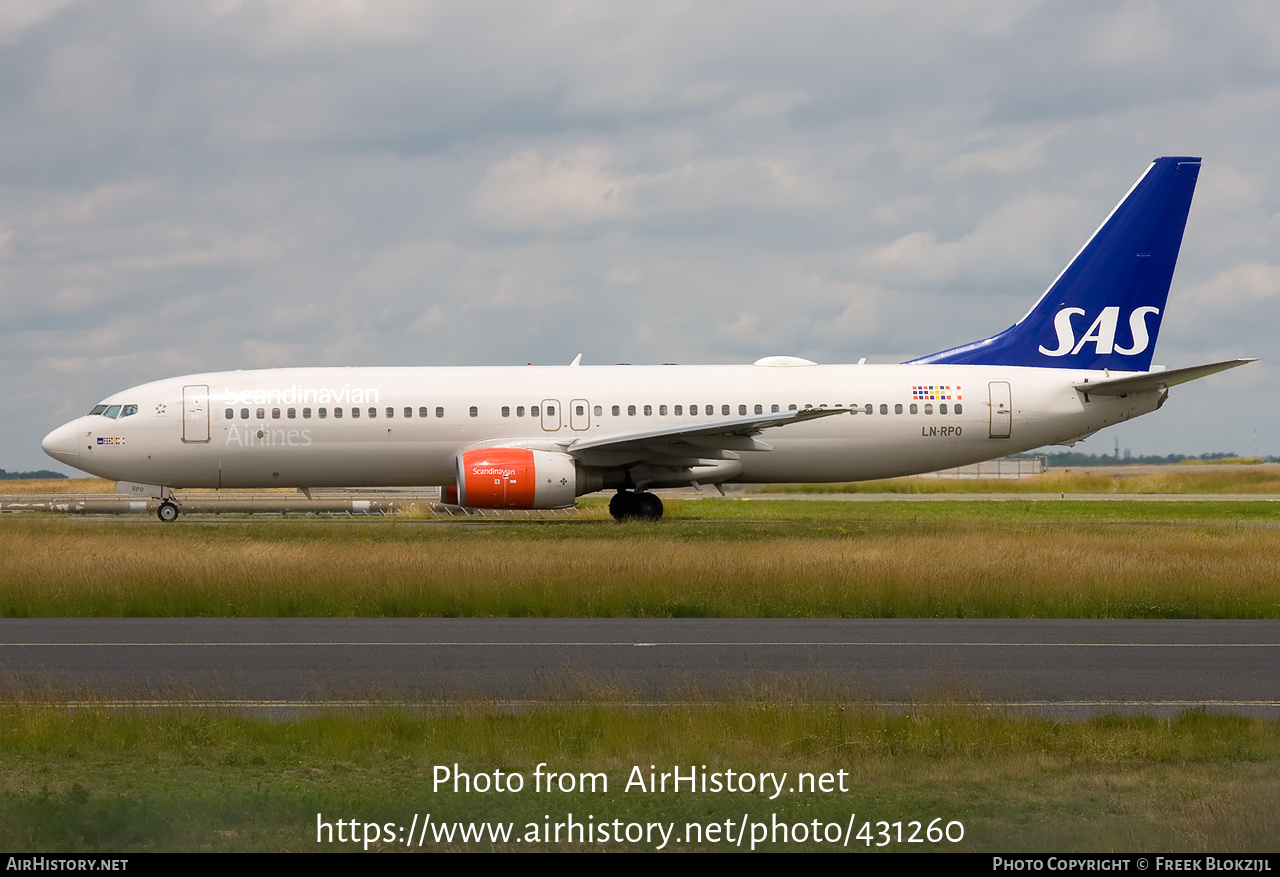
(167, 511)
(635, 505)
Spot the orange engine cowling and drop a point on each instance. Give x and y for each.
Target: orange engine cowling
(516, 478)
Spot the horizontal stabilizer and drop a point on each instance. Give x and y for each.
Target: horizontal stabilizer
(1155, 380)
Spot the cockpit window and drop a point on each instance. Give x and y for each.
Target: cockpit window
(114, 411)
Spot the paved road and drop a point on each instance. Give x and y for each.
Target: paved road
(1055, 666)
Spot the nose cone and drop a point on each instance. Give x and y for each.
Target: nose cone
(63, 444)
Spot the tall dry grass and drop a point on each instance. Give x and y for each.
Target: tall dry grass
(907, 568)
(25, 486)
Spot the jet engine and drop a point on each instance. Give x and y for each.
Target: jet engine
(520, 478)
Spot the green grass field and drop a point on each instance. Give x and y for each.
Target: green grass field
(101, 780)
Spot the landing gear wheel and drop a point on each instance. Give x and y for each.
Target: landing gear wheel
(167, 512)
(621, 506)
(649, 507)
(628, 505)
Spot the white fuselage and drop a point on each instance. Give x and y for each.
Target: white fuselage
(266, 429)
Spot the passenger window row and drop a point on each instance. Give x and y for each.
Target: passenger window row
(550, 411)
(292, 413)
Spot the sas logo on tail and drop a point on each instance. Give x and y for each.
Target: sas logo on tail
(1102, 333)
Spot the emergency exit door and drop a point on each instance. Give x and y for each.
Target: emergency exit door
(195, 413)
(1001, 409)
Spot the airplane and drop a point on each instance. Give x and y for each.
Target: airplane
(538, 437)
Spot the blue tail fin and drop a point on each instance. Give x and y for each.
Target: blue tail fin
(1105, 308)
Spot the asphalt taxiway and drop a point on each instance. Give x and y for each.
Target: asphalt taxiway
(1076, 667)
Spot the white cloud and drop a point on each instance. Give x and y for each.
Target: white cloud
(528, 191)
(1134, 33)
(18, 16)
(255, 183)
(1014, 159)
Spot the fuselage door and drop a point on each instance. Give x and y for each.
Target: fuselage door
(195, 413)
(550, 414)
(1001, 409)
(579, 414)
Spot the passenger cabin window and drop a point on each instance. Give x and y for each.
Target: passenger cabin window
(373, 412)
(679, 409)
(580, 410)
(355, 412)
(598, 410)
(306, 413)
(475, 412)
(774, 409)
(244, 413)
(275, 413)
(616, 410)
(408, 412)
(424, 412)
(693, 410)
(867, 408)
(324, 412)
(648, 411)
(519, 411)
(506, 410)
(551, 411)
(791, 407)
(337, 412)
(662, 410)
(230, 414)
(959, 408)
(631, 411)
(533, 411)
(262, 414)
(897, 409)
(884, 409)
(391, 412)
(914, 409)
(928, 409)
(293, 413)
(759, 409)
(439, 412)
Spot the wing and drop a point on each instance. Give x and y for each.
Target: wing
(1156, 380)
(685, 445)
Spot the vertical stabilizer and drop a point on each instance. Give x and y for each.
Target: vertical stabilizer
(1105, 308)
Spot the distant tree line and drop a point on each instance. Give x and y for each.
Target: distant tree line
(39, 473)
(1074, 458)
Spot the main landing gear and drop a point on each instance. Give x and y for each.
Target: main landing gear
(635, 505)
(167, 512)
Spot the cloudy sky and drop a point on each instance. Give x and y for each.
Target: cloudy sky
(194, 186)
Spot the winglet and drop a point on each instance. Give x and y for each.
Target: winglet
(1156, 380)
